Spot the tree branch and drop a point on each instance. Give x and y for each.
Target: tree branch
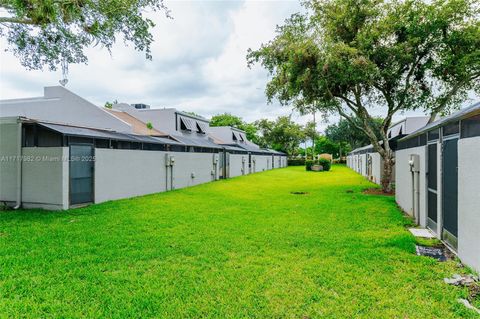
(448, 96)
(16, 20)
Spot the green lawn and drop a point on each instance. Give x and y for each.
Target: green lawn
(244, 247)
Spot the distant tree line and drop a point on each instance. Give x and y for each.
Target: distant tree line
(283, 134)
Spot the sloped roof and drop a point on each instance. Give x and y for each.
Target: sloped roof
(138, 127)
(461, 114)
(193, 141)
(104, 134)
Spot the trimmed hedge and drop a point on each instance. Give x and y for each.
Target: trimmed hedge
(309, 164)
(325, 163)
(296, 162)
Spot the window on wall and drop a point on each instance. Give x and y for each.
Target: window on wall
(412, 142)
(451, 129)
(80, 140)
(28, 135)
(433, 135)
(47, 138)
(101, 143)
(470, 127)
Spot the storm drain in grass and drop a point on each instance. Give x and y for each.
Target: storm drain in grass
(299, 193)
(435, 252)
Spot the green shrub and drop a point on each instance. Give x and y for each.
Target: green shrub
(308, 165)
(296, 162)
(325, 164)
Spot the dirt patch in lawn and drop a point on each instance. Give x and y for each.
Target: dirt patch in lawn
(377, 191)
(299, 193)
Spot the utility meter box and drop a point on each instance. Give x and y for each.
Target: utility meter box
(215, 158)
(169, 160)
(414, 163)
(243, 160)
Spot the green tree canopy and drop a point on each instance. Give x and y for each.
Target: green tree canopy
(227, 119)
(344, 131)
(282, 134)
(351, 56)
(324, 145)
(49, 33)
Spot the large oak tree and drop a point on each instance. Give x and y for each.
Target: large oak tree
(55, 32)
(350, 56)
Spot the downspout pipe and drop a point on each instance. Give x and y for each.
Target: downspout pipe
(19, 165)
(417, 197)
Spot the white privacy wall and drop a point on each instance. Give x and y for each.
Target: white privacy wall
(469, 201)
(44, 172)
(363, 164)
(261, 162)
(129, 173)
(403, 182)
(237, 166)
(376, 176)
(280, 161)
(192, 169)
(8, 166)
(45, 177)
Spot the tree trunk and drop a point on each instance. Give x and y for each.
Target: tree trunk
(432, 118)
(313, 137)
(387, 172)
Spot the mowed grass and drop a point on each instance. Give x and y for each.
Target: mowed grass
(239, 248)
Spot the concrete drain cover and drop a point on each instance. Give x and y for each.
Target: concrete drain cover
(299, 193)
(434, 252)
(421, 232)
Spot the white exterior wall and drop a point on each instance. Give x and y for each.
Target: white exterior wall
(469, 201)
(280, 161)
(262, 162)
(9, 137)
(44, 172)
(363, 165)
(129, 173)
(45, 175)
(193, 168)
(376, 171)
(403, 182)
(238, 165)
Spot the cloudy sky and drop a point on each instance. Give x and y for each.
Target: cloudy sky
(198, 63)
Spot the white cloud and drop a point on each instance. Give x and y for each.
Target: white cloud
(199, 63)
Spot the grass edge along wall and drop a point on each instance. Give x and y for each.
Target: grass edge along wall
(48, 178)
(437, 180)
(219, 250)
